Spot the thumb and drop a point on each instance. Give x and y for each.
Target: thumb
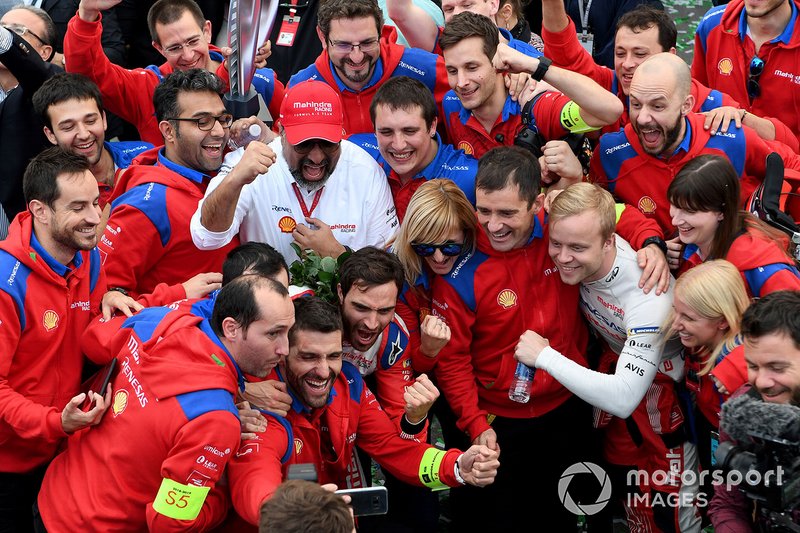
(281, 386)
(317, 222)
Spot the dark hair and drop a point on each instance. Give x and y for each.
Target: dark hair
(312, 313)
(777, 312)
(643, 17)
(506, 165)
(467, 24)
(405, 93)
(237, 300)
(50, 34)
(61, 88)
(168, 11)
(331, 10)
(165, 97)
(254, 258)
(369, 267)
(299, 506)
(39, 181)
(710, 183)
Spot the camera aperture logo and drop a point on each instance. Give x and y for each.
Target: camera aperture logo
(579, 508)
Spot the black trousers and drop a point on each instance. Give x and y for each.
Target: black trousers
(18, 493)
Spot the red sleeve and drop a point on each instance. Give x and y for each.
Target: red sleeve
(408, 308)
(441, 88)
(454, 370)
(732, 370)
(757, 150)
(781, 280)
(26, 418)
(405, 459)
(163, 294)
(219, 429)
(635, 228)
(596, 173)
(566, 52)
(699, 62)
(126, 93)
(274, 105)
(547, 113)
(256, 471)
(784, 134)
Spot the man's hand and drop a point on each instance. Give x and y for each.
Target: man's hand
(419, 398)
(73, 418)
(506, 59)
(719, 119)
(558, 161)
(89, 10)
(478, 465)
(549, 197)
(529, 347)
(655, 269)
(517, 83)
(240, 134)
(270, 395)
(202, 284)
(257, 159)
(488, 438)
(674, 251)
(114, 301)
(251, 420)
(434, 335)
(321, 239)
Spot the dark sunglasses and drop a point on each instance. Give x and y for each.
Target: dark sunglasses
(450, 249)
(756, 69)
(306, 146)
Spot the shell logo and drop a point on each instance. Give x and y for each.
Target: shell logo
(298, 446)
(120, 402)
(507, 298)
(725, 66)
(287, 224)
(647, 205)
(467, 147)
(50, 320)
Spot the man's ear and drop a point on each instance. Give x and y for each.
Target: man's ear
(167, 130)
(207, 31)
(538, 203)
(230, 328)
(50, 137)
(158, 47)
(39, 211)
(47, 52)
(322, 39)
(688, 105)
(340, 293)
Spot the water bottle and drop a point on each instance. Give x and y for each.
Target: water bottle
(252, 134)
(520, 390)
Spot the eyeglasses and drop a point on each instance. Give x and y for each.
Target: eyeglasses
(306, 146)
(450, 249)
(207, 122)
(177, 49)
(367, 46)
(756, 68)
(21, 30)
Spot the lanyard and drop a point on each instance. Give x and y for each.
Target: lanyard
(306, 211)
(585, 14)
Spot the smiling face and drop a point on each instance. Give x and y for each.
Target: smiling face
(313, 364)
(773, 366)
(630, 49)
(404, 140)
(579, 250)
(183, 43)
(79, 127)
(439, 263)
(366, 312)
(506, 217)
(354, 67)
(656, 114)
(696, 227)
(185, 143)
(265, 342)
(694, 330)
(471, 74)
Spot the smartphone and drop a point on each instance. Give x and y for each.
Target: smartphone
(304, 471)
(368, 500)
(98, 383)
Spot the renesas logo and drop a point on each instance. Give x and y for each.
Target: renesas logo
(613, 149)
(319, 107)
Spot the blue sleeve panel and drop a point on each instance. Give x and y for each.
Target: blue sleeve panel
(462, 277)
(151, 200)
(712, 101)
(733, 144)
(396, 345)
(757, 277)
(289, 434)
(15, 283)
(145, 322)
(710, 21)
(264, 84)
(354, 380)
(615, 149)
(418, 64)
(198, 403)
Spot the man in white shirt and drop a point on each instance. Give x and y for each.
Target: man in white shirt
(323, 192)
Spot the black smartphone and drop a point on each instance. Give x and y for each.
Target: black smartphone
(98, 383)
(368, 500)
(304, 471)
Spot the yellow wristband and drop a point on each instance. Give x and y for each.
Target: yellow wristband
(179, 501)
(572, 120)
(429, 468)
(619, 208)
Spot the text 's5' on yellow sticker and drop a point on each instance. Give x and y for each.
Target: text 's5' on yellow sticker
(179, 501)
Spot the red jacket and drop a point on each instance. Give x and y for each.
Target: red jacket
(621, 165)
(164, 442)
(147, 239)
(129, 93)
(489, 299)
(763, 263)
(722, 55)
(395, 60)
(43, 315)
(327, 438)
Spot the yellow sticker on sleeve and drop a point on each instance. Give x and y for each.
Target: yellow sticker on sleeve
(572, 120)
(429, 468)
(179, 501)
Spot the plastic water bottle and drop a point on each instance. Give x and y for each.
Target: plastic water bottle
(252, 134)
(520, 390)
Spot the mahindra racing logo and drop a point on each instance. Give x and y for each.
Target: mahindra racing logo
(319, 107)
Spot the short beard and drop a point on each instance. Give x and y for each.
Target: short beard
(310, 186)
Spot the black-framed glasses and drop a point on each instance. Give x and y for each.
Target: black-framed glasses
(450, 249)
(206, 122)
(22, 30)
(343, 47)
(305, 147)
(756, 69)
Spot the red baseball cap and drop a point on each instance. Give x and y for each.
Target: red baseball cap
(312, 110)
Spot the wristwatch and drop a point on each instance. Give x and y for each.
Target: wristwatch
(541, 70)
(658, 241)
